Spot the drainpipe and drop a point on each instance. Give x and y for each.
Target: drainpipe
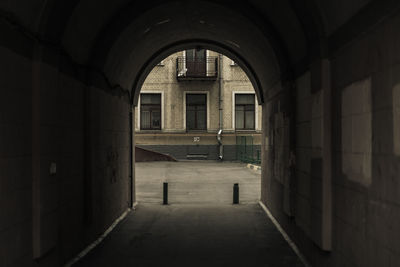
(220, 105)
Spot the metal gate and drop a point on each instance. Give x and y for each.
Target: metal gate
(246, 151)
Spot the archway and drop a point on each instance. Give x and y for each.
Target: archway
(127, 54)
(223, 125)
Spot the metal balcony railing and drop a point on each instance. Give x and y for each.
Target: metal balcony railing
(200, 69)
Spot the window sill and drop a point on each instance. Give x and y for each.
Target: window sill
(245, 131)
(197, 131)
(149, 131)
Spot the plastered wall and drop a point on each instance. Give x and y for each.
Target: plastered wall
(56, 197)
(365, 156)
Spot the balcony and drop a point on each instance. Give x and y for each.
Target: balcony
(199, 69)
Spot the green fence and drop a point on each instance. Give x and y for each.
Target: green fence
(246, 151)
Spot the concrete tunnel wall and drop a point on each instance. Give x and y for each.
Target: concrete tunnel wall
(69, 105)
(46, 119)
(365, 163)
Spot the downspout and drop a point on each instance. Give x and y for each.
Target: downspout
(220, 106)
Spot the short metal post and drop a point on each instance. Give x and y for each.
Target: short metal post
(236, 194)
(165, 194)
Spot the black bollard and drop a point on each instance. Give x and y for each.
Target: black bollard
(165, 194)
(236, 194)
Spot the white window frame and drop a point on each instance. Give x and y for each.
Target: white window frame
(184, 60)
(207, 103)
(162, 109)
(234, 93)
(207, 56)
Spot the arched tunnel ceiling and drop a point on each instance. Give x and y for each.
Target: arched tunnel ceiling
(120, 36)
(167, 25)
(336, 13)
(27, 13)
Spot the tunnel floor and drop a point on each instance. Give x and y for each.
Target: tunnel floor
(200, 226)
(194, 235)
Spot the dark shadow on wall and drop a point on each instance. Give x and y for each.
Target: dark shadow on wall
(142, 155)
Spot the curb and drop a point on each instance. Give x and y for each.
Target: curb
(84, 252)
(285, 235)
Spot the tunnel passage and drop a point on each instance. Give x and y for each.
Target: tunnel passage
(325, 73)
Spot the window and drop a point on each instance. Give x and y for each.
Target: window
(150, 111)
(196, 112)
(196, 62)
(244, 112)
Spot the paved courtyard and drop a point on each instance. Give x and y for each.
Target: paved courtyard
(191, 182)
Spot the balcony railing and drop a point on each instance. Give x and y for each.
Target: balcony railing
(201, 69)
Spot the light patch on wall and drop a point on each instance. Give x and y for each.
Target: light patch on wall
(316, 121)
(357, 132)
(396, 119)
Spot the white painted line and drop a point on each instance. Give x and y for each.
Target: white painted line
(84, 252)
(285, 236)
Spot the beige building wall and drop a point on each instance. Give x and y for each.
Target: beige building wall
(235, 81)
(163, 79)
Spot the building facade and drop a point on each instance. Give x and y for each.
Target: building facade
(198, 104)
